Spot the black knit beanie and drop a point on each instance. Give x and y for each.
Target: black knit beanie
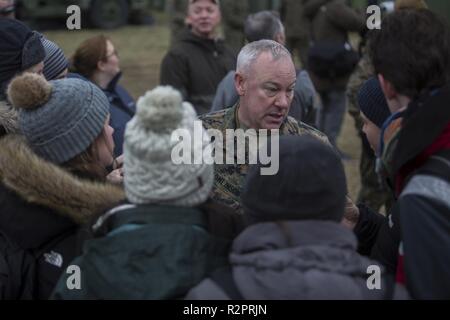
(372, 102)
(310, 184)
(20, 49)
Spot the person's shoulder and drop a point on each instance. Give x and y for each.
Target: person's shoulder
(214, 120)
(295, 127)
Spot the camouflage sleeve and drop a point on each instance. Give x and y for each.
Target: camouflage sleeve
(362, 73)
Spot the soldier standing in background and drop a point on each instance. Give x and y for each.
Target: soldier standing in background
(177, 10)
(297, 28)
(234, 13)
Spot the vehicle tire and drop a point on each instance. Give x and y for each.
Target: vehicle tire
(108, 14)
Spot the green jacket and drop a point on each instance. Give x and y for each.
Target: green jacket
(234, 14)
(147, 253)
(229, 179)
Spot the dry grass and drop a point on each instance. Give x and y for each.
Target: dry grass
(141, 50)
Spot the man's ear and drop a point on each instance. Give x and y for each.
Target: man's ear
(239, 83)
(187, 21)
(280, 38)
(388, 89)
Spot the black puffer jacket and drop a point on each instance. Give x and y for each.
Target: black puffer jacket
(41, 210)
(195, 66)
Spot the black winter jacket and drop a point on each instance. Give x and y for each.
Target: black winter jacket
(195, 66)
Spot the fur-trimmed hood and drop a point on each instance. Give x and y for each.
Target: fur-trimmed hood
(8, 118)
(42, 183)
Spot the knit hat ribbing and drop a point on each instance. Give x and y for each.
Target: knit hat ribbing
(59, 119)
(372, 102)
(55, 62)
(151, 176)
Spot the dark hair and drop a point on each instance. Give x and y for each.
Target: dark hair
(412, 51)
(263, 25)
(88, 55)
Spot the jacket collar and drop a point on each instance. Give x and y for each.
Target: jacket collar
(127, 214)
(291, 234)
(216, 46)
(425, 121)
(113, 83)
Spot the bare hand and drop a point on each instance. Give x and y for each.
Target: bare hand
(116, 176)
(118, 162)
(351, 215)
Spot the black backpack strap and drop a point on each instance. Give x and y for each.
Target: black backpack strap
(223, 277)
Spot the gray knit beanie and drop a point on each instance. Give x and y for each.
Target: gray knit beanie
(59, 119)
(55, 62)
(151, 176)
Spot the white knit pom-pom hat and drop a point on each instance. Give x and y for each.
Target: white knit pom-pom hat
(151, 176)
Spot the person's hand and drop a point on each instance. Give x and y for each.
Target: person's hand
(351, 215)
(118, 162)
(116, 176)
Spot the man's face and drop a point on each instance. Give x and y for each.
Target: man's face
(203, 17)
(266, 92)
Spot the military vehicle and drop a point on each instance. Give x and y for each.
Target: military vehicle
(104, 14)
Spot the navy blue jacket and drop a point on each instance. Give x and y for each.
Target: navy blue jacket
(122, 109)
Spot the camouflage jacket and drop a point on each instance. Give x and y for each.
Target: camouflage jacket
(229, 179)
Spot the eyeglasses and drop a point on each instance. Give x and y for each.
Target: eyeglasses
(114, 53)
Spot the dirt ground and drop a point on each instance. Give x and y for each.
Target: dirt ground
(141, 49)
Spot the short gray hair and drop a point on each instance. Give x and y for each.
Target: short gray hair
(263, 25)
(251, 52)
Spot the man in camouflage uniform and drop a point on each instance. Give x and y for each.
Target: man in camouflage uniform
(234, 13)
(265, 85)
(371, 193)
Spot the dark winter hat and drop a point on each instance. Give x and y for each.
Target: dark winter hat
(310, 184)
(59, 119)
(55, 62)
(372, 102)
(20, 49)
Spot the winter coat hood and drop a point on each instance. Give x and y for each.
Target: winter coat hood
(300, 260)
